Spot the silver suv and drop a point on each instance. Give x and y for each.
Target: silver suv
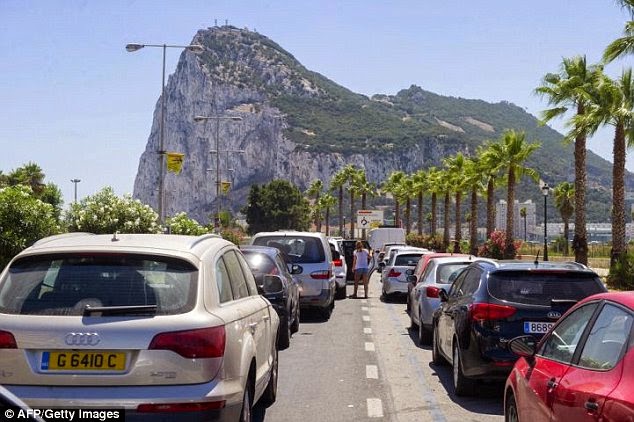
(164, 327)
(316, 275)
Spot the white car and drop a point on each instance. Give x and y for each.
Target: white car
(340, 266)
(164, 327)
(394, 271)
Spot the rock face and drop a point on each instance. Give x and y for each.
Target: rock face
(241, 74)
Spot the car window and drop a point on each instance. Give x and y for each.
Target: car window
(539, 288)
(563, 340)
(260, 263)
(471, 281)
(248, 275)
(298, 249)
(222, 281)
(456, 287)
(407, 260)
(607, 339)
(445, 270)
(64, 284)
(236, 277)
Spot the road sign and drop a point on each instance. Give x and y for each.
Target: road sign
(369, 218)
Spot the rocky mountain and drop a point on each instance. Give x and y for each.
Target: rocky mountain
(296, 124)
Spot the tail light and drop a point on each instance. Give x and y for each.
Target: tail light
(394, 273)
(338, 263)
(320, 275)
(7, 341)
(432, 291)
(179, 407)
(193, 344)
(490, 311)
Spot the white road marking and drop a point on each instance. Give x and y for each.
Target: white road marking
(366, 318)
(367, 330)
(375, 408)
(372, 372)
(365, 308)
(364, 301)
(369, 347)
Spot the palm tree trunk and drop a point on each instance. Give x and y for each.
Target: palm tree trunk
(566, 235)
(434, 216)
(341, 211)
(364, 198)
(473, 224)
(618, 195)
(397, 213)
(490, 207)
(458, 234)
(328, 221)
(352, 216)
(510, 198)
(580, 241)
(420, 213)
(408, 213)
(318, 216)
(445, 237)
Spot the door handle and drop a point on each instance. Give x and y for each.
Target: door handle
(252, 327)
(551, 384)
(266, 318)
(591, 406)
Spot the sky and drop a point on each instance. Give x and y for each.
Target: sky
(78, 105)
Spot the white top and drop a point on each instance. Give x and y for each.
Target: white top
(363, 257)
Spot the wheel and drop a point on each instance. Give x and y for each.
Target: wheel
(462, 385)
(424, 335)
(295, 324)
(436, 357)
(510, 409)
(408, 309)
(412, 324)
(270, 393)
(327, 311)
(247, 403)
(340, 293)
(284, 337)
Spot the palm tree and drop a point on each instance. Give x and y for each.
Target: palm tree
(613, 104)
(624, 45)
(327, 201)
(337, 182)
(515, 152)
(435, 187)
(351, 173)
(421, 184)
(570, 89)
(523, 215)
(405, 192)
(29, 174)
(365, 188)
(489, 154)
(314, 190)
(474, 178)
(391, 184)
(456, 174)
(564, 194)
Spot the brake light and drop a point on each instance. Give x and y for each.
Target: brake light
(7, 341)
(338, 263)
(192, 344)
(179, 407)
(320, 275)
(432, 291)
(490, 311)
(393, 273)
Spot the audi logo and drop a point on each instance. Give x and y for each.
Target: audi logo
(553, 315)
(82, 339)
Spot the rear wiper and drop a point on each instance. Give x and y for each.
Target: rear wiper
(120, 310)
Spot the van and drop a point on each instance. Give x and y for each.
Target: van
(382, 235)
(311, 252)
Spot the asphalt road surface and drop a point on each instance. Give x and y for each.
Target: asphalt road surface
(365, 364)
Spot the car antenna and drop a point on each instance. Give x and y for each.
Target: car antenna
(537, 257)
(114, 237)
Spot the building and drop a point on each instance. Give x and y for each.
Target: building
(518, 229)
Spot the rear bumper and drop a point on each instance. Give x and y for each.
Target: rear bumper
(394, 286)
(321, 300)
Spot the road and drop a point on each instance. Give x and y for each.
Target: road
(365, 364)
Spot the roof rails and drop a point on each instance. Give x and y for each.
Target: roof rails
(60, 236)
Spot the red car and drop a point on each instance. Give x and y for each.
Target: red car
(582, 370)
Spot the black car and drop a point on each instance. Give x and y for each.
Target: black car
(347, 246)
(265, 261)
(490, 303)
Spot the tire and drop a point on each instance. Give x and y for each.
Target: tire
(270, 393)
(436, 357)
(510, 409)
(295, 324)
(462, 385)
(340, 293)
(246, 415)
(408, 309)
(424, 335)
(327, 311)
(284, 336)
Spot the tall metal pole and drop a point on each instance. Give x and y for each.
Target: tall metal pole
(161, 193)
(545, 192)
(217, 219)
(75, 181)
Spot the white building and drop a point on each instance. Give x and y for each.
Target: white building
(518, 229)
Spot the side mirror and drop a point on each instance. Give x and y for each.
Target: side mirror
(409, 271)
(296, 269)
(523, 346)
(381, 264)
(412, 279)
(273, 285)
(442, 294)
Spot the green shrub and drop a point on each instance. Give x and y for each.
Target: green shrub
(495, 246)
(621, 276)
(182, 224)
(433, 243)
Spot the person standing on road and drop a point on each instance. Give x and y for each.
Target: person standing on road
(360, 261)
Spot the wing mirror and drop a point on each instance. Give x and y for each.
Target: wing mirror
(442, 294)
(272, 285)
(296, 269)
(412, 279)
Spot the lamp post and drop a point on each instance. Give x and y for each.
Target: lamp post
(545, 189)
(75, 181)
(217, 151)
(136, 47)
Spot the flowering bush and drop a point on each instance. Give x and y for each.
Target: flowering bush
(495, 246)
(433, 243)
(234, 236)
(23, 220)
(105, 213)
(181, 224)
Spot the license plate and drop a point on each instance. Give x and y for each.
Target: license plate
(537, 327)
(77, 360)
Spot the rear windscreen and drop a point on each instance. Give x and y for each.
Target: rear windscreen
(297, 249)
(541, 288)
(409, 260)
(444, 271)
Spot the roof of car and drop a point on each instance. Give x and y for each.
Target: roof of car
(539, 265)
(624, 298)
(269, 250)
(284, 233)
(156, 243)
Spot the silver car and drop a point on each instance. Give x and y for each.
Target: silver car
(393, 273)
(163, 327)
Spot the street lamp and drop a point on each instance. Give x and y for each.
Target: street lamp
(75, 181)
(545, 189)
(217, 151)
(136, 47)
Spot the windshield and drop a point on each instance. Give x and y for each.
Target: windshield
(66, 284)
